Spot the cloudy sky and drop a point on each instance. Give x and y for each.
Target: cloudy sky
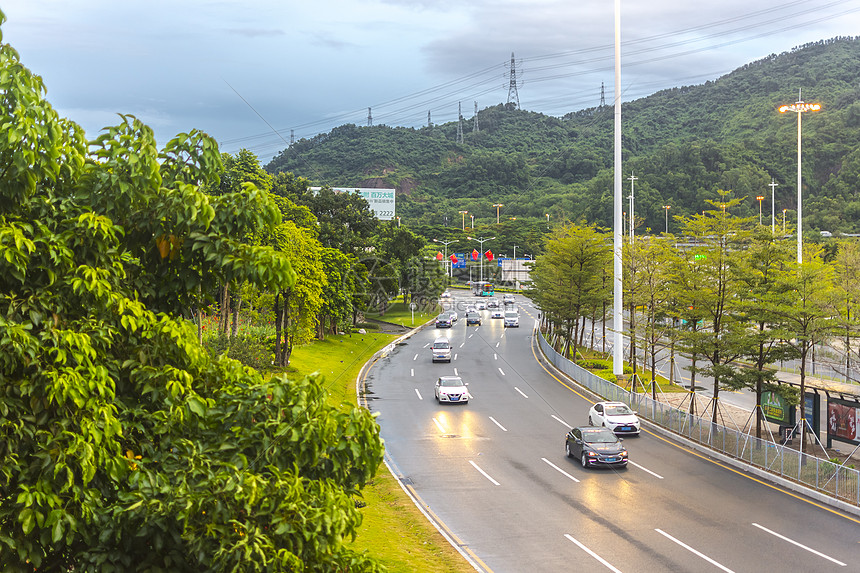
(244, 70)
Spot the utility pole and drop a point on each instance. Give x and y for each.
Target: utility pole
(369, 118)
(475, 126)
(512, 87)
(292, 137)
(632, 179)
(773, 187)
(602, 96)
(429, 123)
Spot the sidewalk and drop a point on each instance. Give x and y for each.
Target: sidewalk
(743, 420)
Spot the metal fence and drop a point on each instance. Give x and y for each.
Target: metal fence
(822, 475)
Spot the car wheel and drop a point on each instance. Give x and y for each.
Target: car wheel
(567, 450)
(590, 422)
(584, 460)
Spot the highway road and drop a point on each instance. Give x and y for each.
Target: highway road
(494, 474)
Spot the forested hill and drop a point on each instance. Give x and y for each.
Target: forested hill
(683, 144)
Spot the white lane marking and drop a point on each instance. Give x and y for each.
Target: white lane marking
(502, 371)
(412, 372)
(495, 356)
(774, 533)
(419, 394)
(497, 344)
(439, 425)
(485, 474)
(456, 355)
(562, 421)
(415, 357)
(455, 372)
(462, 344)
(555, 467)
(426, 345)
(498, 424)
(471, 335)
(476, 328)
(658, 476)
(691, 550)
(520, 391)
(593, 554)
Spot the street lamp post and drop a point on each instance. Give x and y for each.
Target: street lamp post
(632, 179)
(773, 187)
(473, 221)
(760, 198)
(514, 269)
(667, 207)
(447, 260)
(547, 220)
(799, 107)
(464, 213)
(481, 241)
(497, 206)
(783, 221)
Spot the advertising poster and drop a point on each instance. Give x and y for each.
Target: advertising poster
(842, 420)
(776, 409)
(812, 412)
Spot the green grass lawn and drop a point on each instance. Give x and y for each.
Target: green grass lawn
(400, 313)
(393, 531)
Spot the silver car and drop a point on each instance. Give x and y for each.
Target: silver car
(441, 350)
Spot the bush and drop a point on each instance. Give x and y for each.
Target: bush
(251, 351)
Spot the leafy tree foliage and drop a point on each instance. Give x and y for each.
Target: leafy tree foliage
(123, 445)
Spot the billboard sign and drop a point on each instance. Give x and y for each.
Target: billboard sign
(381, 201)
(812, 412)
(461, 261)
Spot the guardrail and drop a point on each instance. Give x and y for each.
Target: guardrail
(834, 480)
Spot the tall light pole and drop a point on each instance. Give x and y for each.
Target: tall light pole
(547, 220)
(760, 198)
(515, 269)
(447, 260)
(666, 208)
(481, 241)
(473, 221)
(464, 213)
(617, 287)
(799, 107)
(783, 221)
(632, 179)
(497, 206)
(773, 187)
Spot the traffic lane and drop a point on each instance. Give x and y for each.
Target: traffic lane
(495, 469)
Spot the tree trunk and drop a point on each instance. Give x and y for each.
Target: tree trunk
(277, 311)
(235, 327)
(803, 352)
(225, 309)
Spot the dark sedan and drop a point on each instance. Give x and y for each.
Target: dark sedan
(444, 320)
(595, 446)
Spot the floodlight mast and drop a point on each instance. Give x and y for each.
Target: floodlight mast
(799, 107)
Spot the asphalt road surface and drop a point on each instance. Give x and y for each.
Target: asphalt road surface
(494, 473)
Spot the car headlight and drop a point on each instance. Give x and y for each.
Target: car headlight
(623, 453)
(592, 454)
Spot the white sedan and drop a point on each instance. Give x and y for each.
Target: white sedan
(451, 389)
(616, 416)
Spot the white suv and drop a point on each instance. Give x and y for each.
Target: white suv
(512, 319)
(441, 350)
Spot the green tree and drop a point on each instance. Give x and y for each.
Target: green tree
(123, 446)
(721, 237)
(567, 278)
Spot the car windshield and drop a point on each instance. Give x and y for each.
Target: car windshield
(599, 436)
(620, 410)
(451, 382)
(472, 315)
(441, 345)
(511, 315)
